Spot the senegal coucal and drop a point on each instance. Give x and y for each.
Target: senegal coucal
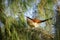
(35, 22)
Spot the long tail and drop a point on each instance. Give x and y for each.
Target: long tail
(46, 20)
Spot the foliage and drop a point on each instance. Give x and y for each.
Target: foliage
(15, 27)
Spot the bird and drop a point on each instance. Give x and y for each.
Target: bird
(35, 22)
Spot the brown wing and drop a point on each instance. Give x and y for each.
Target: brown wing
(34, 20)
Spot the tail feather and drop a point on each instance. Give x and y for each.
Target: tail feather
(46, 20)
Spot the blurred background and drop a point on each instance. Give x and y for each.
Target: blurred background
(13, 23)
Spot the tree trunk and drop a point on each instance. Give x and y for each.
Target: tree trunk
(57, 24)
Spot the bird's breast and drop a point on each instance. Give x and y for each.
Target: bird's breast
(36, 24)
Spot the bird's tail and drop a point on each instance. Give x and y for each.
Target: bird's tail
(46, 20)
